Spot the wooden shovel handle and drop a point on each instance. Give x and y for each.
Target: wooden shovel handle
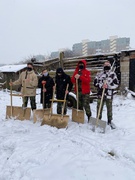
(77, 93)
(43, 95)
(20, 95)
(64, 101)
(99, 110)
(101, 103)
(50, 113)
(57, 100)
(11, 101)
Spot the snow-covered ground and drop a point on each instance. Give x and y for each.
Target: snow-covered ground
(29, 151)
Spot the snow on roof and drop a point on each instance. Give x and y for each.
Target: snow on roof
(12, 68)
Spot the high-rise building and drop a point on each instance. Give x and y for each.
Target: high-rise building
(77, 49)
(113, 44)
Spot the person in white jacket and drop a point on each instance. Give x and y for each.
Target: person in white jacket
(106, 79)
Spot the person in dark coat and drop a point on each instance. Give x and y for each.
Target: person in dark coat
(62, 79)
(46, 84)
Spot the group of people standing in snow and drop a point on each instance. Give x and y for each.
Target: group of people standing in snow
(106, 79)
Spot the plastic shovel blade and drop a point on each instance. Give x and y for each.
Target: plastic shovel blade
(98, 123)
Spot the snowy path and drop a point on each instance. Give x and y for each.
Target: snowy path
(32, 152)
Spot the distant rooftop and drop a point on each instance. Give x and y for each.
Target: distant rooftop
(12, 68)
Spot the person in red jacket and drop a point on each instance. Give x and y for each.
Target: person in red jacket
(82, 75)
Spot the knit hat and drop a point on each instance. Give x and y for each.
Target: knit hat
(59, 70)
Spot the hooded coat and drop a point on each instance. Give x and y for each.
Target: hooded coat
(84, 78)
(49, 88)
(61, 83)
(29, 82)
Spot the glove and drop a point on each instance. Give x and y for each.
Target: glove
(77, 76)
(105, 86)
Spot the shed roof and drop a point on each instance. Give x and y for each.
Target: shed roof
(12, 68)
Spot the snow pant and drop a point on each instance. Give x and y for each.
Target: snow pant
(84, 102)
(47, 105)
(32, 102)
(108, 103)
(60, 106)
(47, 97)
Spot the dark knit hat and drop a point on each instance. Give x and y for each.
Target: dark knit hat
(59, 70)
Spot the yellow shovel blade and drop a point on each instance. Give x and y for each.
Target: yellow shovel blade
(39, 114)
(55, 120)
(18, 113)
(78, 116)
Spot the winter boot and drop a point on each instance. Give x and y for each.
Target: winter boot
(112, 125)
(88, 119)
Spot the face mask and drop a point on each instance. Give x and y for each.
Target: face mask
(29, 69)
(59, 74)
(45, 74)
(81, 66)
(107, 68)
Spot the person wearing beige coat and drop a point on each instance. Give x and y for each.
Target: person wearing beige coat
(29, 81)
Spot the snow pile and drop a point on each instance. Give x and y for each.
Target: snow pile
(32, 152)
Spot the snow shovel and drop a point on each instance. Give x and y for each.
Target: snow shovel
(47, 116)
(77, 115)
(39, 113)
(17, 112)
(96, 122)
(56, 120)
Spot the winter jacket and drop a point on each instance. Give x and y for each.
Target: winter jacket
(84, 79)
(49, 87)
(111, 81)
(29, 82)
(61, 84)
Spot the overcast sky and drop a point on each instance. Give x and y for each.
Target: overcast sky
(31, 27)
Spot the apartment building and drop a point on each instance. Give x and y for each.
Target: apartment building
(87, 47)
(113, 44)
